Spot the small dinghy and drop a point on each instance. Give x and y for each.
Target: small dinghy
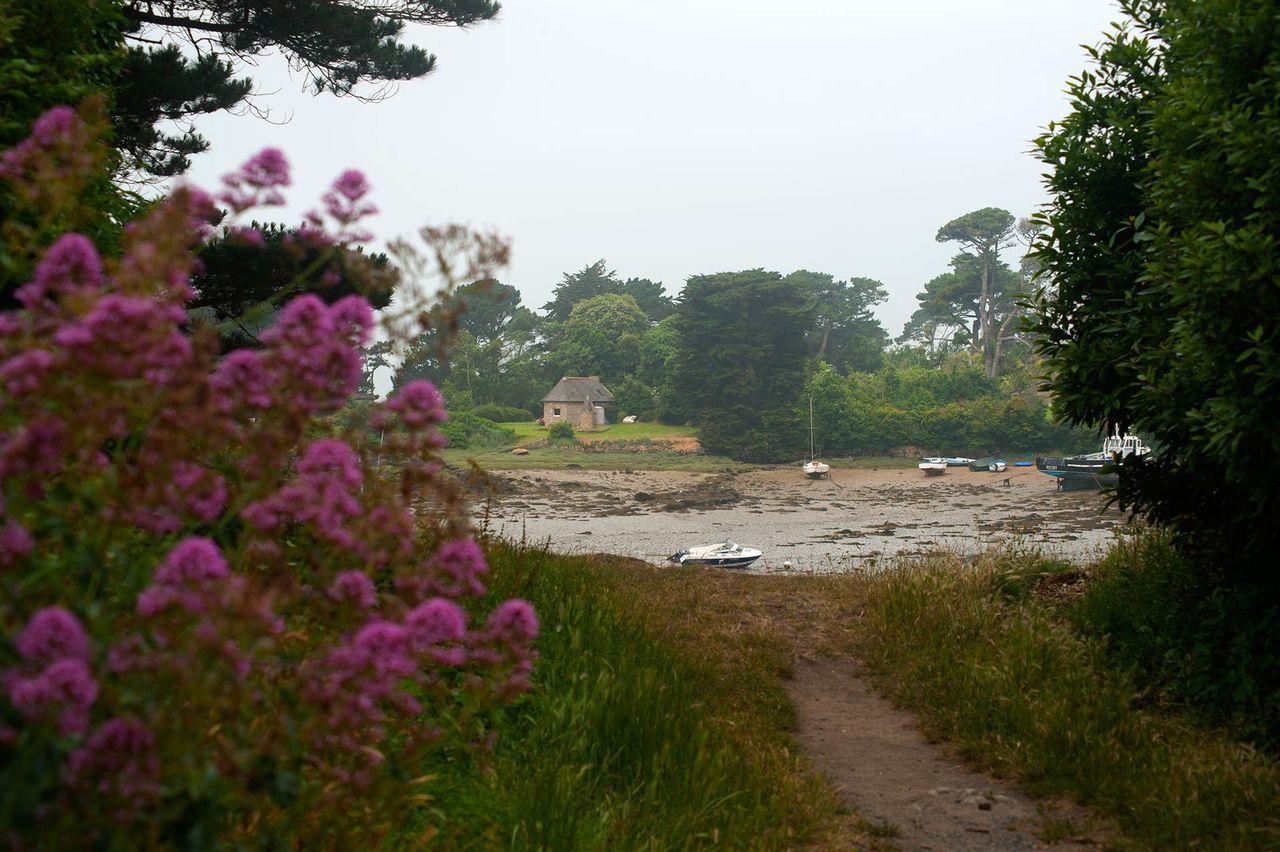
(723, 555)
(933, 466)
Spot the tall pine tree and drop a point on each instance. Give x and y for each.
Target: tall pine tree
(739, 365)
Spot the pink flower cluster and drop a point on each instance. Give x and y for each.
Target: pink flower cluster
(325, 497)
(123, 437)
(54, 683)
(454, 570)
(363, 682)
(257, 183)
(58, 150)
(186, 579)
(311, 365)
(118, 761)
(345, 203)
(169, 497)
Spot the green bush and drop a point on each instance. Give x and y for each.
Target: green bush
(561, 431)
(1185, 635)
(466, 430)
(501, 413)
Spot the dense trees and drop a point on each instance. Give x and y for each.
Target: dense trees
(1162, 248)
(739, 363)
(602, 336)
(598, 280)
(844, 333)
(243, 280)
(978, 304)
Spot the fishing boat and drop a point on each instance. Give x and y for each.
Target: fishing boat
(813, 468)
(958, 461)
(1092, 470)
(726, 554)
(989, 463)
(933, 466)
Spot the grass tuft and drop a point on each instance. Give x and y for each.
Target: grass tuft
(991, 669)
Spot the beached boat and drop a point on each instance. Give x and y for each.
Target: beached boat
(958, 461)
(813, 468)
(933, 466)
(723, 555)
(989, 463)
(1092, 470)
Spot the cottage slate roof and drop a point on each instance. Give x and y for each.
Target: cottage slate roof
(579, 389)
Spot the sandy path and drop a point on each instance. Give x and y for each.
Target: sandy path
(852, 520)
(874, 755)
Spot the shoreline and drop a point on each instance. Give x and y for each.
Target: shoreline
(853, 521)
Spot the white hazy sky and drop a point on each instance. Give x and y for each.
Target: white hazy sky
(684, 137)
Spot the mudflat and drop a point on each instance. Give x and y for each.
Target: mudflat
(856, 519)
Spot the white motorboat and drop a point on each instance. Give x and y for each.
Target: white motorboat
(933, 466)
(726, 554)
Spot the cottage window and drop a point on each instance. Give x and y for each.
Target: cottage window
(555, 412)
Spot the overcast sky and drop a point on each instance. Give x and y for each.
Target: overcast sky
(684, 137)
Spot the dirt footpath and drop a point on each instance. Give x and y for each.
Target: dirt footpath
(906, 788)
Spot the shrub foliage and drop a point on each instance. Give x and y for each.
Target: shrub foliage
(218, 628)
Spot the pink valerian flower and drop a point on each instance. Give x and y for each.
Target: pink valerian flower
(244, 380)
(70, 266)
(353, 686)
(119, 759)
(344, 203)
(36, 448)
(386, 534)
(25, 373)
(437, 627)
(185, 578)
(354, 587)
(60, 146)
(456, 567)
(52, 634)
(314, 351)
(246, 236)
(507, 645)
(325, 497)
(257, 183)
(129, 337)
(62, 693)
(418, 405)
(15, 543)
(188, 489)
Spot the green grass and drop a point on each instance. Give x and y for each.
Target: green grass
(623, 743)
(558, 458)
(613, 432)
(991, 667)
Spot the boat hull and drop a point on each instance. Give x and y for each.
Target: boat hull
(1079, 473)
(816, 469)
(739, 562)
(717, 556)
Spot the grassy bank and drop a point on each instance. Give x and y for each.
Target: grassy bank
(987, 656)
(638, 735)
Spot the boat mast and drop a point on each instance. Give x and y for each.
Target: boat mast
(811, 428)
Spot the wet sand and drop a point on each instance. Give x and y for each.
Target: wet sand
(856, 519)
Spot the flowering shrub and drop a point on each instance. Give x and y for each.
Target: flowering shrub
(218, 626)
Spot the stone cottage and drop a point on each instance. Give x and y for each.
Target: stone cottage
(577, 400)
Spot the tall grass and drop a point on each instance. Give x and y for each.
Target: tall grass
(617, 748)
(990, 669)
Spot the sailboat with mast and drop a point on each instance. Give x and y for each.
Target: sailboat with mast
(813, 468)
